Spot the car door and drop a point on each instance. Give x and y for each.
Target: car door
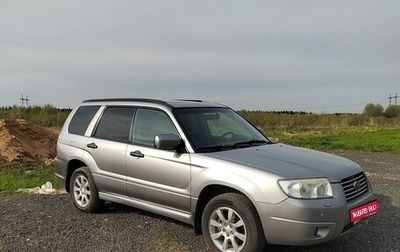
(156, 176)
(107, 145)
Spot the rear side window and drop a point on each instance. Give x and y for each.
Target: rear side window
(115, 124)
(81, 119)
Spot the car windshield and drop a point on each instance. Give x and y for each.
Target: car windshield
(218, 129)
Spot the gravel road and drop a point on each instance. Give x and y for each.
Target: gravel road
(51, 222)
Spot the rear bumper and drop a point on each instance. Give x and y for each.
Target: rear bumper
(60, 171)
(306, 222)
(60, 168)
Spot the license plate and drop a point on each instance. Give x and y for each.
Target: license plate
(364, 211)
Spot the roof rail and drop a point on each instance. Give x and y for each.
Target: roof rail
(127, 100)
(189, 100)
(201, 101)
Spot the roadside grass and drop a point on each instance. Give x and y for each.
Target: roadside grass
(382, 139)
(22, 176)
(167, 243)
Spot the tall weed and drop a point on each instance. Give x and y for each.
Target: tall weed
(46, 116)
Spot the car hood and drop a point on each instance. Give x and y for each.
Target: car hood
(291, 162)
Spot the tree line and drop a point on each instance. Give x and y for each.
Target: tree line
(377, 110)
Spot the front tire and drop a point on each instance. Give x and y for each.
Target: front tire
(84, 192)
(230, 223)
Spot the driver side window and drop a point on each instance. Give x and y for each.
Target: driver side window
(147, 124)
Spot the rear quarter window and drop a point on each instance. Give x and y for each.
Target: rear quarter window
(81, 119)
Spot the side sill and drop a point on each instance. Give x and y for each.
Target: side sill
(157, 209)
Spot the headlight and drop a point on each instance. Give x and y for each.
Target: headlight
(307, 188)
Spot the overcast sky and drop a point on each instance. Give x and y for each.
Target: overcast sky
(318, 56)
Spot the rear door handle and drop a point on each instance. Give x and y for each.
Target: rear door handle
(137, 154)
(92, 145)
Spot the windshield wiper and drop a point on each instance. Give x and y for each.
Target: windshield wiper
(217, 147)
(252, 142)
(220, 147)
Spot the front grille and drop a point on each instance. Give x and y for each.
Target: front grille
(354, 186)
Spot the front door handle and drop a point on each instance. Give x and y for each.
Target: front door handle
(137, 154)
(92, 145)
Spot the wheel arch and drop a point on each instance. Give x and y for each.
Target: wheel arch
(206, 195)
(72, 166)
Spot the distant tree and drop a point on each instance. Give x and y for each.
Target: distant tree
(392, 111)
(373, 110)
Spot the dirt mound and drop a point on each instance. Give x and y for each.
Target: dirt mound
(21, 140)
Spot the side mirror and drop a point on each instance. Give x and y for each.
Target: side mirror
(167, 142)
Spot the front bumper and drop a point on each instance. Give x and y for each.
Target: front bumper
(305, 222)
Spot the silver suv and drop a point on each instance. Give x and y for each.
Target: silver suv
(203, 164)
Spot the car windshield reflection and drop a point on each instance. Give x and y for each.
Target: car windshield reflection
(218, 129)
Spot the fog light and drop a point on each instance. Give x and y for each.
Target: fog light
(321, 232)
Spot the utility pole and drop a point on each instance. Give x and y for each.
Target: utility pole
(26, 100)
(393, 97)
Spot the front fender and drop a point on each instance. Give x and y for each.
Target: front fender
(257, 185)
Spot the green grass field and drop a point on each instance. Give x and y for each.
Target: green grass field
(386, 140)
(22, 176)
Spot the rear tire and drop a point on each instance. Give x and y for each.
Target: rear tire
(84, 192)
(231, 223)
